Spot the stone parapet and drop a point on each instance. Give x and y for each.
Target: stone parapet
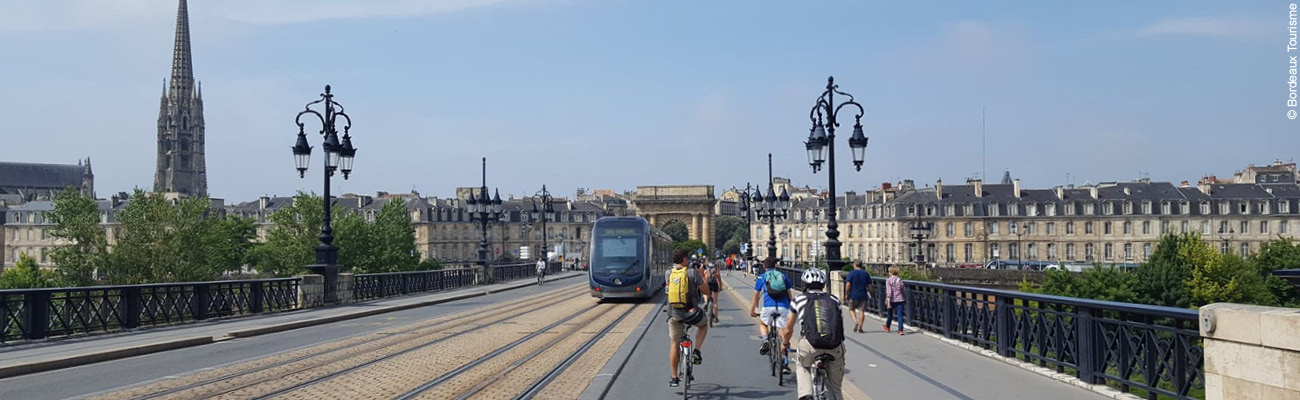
(311, 291)
(1251, 352)
(343, 290)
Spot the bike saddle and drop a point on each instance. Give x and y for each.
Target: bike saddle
(826, 358)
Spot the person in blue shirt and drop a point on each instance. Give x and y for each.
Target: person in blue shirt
(858, 286)
(775, 309)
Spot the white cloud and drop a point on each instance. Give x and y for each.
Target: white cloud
(1244, 28)
(46, 15)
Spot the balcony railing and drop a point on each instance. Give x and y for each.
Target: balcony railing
(1155, 352)
(28, 314)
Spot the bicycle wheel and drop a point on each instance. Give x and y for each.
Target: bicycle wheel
(778, 362)
(684, 370)
(819, 384)
(771, 354)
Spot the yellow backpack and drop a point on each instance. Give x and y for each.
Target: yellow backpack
(679, 288)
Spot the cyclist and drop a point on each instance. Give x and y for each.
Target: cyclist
(822, 333)
(775, 298)
(688, 312)
(714, 279)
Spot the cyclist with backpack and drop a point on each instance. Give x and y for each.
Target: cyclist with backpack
(685, 297)
(773, 288)
(821, 325)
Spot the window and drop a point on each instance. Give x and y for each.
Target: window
(1069, 208)
(1185, 208)
(1051, 251)
(1263, 207)
(1108, 208)
(1205, 208)
(1128, 208)
(1223, 208)
(1051, 228)
(42, 235)
(1105, 228)
(1245, 227)
(1146, 251)
(949, 210)
(1164, 227)
(993, 228)
(1069, 228)
(1011, 228)
(1183, 225)
(1088, 209)
(1029, 228)
(1033, 251)
(1146, 227)
(1245, 249)
(968, 210)
(993, 251)
(1014, 249)
(1128, 228)
(1205, 227)
(1128, 251)
(1224, 248)
(1165, 208)
(1281, 227)
(1244, 207)
(1109, 251)
(1284, 207)
(970, 229)
(948, 253)
(967, 254)
(1069, 251)
(1087, 251)
(947, 229)
(1146, 207)
(1031, 210)
(1087, 228)
(1263, 227)
(1051, 210)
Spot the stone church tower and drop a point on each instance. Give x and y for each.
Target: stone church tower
(182, 165)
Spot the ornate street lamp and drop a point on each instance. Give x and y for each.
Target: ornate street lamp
(544, 213)
(337, 157)
(771, 208)
(919, 232)
(484, 210)
(745, 206)
(821, 148)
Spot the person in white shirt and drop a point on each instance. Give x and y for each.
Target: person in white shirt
(814, 281)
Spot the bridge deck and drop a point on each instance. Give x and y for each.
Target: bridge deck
(879, 366)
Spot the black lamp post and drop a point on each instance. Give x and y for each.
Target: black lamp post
(542, 215)
(771, 208)
(1225, 236)
(1020, 259)
(745, 206)
(821, 146)
(920, 232)
(338, 156)
(484, 210)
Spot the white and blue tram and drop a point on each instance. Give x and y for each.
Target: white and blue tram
(628, 258)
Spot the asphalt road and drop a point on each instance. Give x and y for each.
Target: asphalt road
(111, 375)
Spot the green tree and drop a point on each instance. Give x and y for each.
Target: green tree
(25, 274)
(386, 244)
(164, 240)
(1162, 280)
(731, 232)
(229, 242)
(1281, 253)
(84, 246)
(677, 230)
(1231, 279)
(691, 245)
(1098, 283)
(291, 242)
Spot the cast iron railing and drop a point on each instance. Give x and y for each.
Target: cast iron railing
(28, 314)
(375, 286)
(1152, 351)
(509, 272)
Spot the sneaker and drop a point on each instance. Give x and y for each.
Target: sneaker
(886, 327)
(675, 382)
(766, 347)
(785, 370)
(900, 332)
(696, 358)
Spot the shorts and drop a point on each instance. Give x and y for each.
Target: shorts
(766, 316)
(677, 328)
(713, 287)
(857, 304)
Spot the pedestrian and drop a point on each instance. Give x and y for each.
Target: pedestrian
(858, 287)
(895, 299)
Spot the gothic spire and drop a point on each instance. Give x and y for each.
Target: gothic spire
(182, 82)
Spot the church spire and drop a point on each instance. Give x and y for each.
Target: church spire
(182, 82)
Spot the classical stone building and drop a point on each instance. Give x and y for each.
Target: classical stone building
(1115, 222)
(24, 182)
(182, 162)
(693, 205)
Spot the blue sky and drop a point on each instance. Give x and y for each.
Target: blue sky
(616, 93)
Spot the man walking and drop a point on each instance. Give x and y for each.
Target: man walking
(858, 286)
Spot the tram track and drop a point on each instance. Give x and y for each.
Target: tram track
(297, 363)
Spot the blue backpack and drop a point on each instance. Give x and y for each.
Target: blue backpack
(775, 282)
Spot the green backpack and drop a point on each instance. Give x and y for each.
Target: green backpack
(775, 282)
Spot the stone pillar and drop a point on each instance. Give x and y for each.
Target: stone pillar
(311, 291)
(695, 226)
(706, 228)
(837, 285)
(653, 221)
(343, 290)
(1251, 352)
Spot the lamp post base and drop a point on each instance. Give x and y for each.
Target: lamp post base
(331, 274)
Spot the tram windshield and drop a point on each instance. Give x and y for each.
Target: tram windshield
(618, 248)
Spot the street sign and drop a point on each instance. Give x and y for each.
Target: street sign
(699, 251)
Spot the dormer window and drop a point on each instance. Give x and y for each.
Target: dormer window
(1108, 208)
(1223, 208)
(1013, 209)
(1284, 207)
(1128, 208)
(1031, 210)
(1051, 209)
(1146, 208)
(993, 209)
(1069, 208)
(1205, 208)
(1089, 209)
(1244, 207)
(1165, 208)
(1264, 207)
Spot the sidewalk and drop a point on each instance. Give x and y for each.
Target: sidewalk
(916, 366)
(28, 358)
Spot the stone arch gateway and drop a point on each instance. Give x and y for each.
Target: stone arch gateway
(694, 205)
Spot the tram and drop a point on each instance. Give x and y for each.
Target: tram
(628, 258)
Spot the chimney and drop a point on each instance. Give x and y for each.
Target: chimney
(938, 189)
(1205, 187)
(114, 201)
(262, 202)
(1015, 187)
(979, 186)
(1060, 193)
(1184, 184)
(1126, 191)
(1093, 190)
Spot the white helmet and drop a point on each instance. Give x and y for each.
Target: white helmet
(814, 275)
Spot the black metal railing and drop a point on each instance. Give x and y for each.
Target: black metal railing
(509, 272)
(28, 314)
(375, 286)
(1152, 351)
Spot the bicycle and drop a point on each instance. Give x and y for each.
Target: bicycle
(819, 376)
(541, 275)
(685, 364)
(775, 354)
